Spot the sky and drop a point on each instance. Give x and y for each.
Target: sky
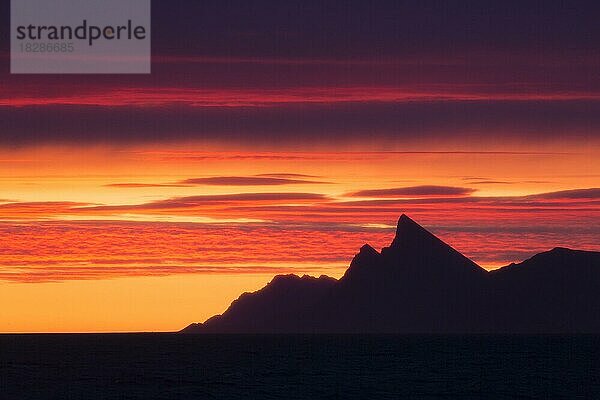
(279, 137)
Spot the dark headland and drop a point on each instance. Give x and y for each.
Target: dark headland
(419, 284)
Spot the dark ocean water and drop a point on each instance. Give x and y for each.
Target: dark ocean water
(169, 366)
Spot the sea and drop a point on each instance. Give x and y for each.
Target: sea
(175, 366)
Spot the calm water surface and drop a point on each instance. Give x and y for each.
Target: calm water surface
(169, 366)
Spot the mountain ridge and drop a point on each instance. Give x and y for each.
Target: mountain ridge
(420, 284)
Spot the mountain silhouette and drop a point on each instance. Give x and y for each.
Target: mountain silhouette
(419, 284)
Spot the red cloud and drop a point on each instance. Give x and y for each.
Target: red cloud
(416, 191)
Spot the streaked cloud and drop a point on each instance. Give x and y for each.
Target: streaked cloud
(341, 126)
(592, 194)
(34, 210)
(248, 98)
(247, 181)
(143, 185)
(416, 191)
(381, 205)
(288, 175)
(61, 251)
(258, 180)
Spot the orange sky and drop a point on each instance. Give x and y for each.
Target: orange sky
(147, 238)
(282, 141)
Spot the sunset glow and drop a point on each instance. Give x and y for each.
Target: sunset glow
(133, 203)
(76, 225)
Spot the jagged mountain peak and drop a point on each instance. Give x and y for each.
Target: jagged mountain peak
(368, 249)
(417, 248)
(414, 251)
(363, 262)
(405, 224)
(410, 232)
(419, 284)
